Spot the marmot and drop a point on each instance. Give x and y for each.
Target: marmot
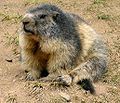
(60, 46)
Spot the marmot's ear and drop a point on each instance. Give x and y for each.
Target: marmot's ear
(55, 15)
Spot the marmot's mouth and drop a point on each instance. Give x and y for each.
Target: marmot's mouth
(27, 30)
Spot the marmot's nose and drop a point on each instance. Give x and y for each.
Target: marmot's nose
(28, 20)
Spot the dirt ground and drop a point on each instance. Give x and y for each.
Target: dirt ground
(103, 15)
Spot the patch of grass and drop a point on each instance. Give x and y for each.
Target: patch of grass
(99, 1)
(115, 78)
(103, 16)
(7, 17)
(97, 5)
(34, 1)
(11, 40)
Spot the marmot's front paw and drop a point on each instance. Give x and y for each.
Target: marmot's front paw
(65, 80)
(29, 77)
(49, 78)
(32, 75)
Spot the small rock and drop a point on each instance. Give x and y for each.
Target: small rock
(66, 97)
(8, 60)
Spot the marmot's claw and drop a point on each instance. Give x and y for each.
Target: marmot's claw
(65, 80)
(47, 79)
(29, 77)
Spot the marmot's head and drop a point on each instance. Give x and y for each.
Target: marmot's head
(41, 20)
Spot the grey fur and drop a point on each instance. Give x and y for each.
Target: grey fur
(74, 48)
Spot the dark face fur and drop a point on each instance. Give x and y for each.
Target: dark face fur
(41, 21)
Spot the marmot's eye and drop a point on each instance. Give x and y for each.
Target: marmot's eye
(42, 16)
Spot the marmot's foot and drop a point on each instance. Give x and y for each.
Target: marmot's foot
(29, 77)
(87, 85)
(49, 78)
(64, 80)
(32, 75)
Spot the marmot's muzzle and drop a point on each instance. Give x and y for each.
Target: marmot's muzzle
(28, 23)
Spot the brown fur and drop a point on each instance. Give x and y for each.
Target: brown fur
(82, 55)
